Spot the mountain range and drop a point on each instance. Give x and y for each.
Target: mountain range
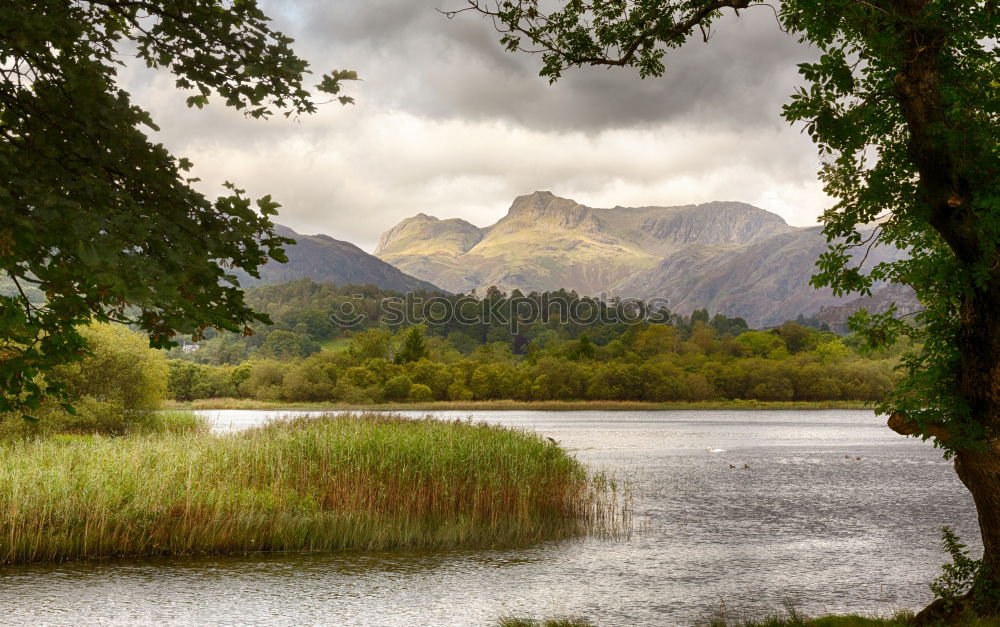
(323, 258)
(728, 257)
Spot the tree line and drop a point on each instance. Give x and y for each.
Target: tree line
(661, 357)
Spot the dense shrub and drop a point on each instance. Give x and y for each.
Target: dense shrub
(397, 388)
(420, 393)
(118, 387)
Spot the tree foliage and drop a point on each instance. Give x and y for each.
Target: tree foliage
(117, 387)
(647, 362)
(414, 347)
(96, 216)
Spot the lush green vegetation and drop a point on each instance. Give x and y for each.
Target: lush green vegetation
(510, 405)
(336, 482)
(792, 618)
(118, 389)
(115, 477)
(662, 358)
(99, 218)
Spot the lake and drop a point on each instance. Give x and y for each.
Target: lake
(833, 513)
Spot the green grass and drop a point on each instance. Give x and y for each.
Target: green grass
(792, 618)
(510, 621)
(93, 417)
(332, 483)
(336, 344)
(247, 403)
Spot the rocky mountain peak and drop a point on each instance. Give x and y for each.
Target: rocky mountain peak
(730, 257)
(430, 235)
(544, 207)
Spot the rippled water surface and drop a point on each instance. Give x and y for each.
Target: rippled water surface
(834, 513)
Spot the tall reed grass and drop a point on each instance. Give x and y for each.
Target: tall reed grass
(367, 482)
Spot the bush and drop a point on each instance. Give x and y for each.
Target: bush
(493, 381)
(398, 388)
(352, 394)
(311, 380)
(420, 393)
(264, 380)
(459, 392)
(117, 388)
(435, 376)
(187, 381)
(958, 576)
(121, 369)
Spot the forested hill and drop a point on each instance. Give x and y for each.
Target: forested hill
(323, 258)
(516, 347)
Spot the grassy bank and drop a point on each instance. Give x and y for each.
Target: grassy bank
(789, 619)
(336, 482)
(792, 619)
(245, 403)
(108, 421)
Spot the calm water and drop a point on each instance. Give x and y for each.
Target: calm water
(808, 522)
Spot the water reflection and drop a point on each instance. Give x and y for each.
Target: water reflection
(806, 520)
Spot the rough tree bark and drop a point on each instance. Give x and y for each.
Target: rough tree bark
(952, 204)
(979, 470)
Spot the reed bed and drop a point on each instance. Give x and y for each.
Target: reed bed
(337, 482)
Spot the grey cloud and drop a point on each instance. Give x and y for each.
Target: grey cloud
(449, 123)
(415, 58)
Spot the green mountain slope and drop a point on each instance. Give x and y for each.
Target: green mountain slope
(728, 257)
(546, 242)
(323, 258)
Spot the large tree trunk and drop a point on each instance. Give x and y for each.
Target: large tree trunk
(979, 466)
(953, 212)
(977, 457)
(980, 472)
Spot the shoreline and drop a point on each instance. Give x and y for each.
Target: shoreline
(510, 405)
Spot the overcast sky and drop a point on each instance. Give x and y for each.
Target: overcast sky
(449, 124)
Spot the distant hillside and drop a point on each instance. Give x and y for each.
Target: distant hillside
(546, 242)
(900, 295)
(766, 282)
(322, 258)
(728, 257)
